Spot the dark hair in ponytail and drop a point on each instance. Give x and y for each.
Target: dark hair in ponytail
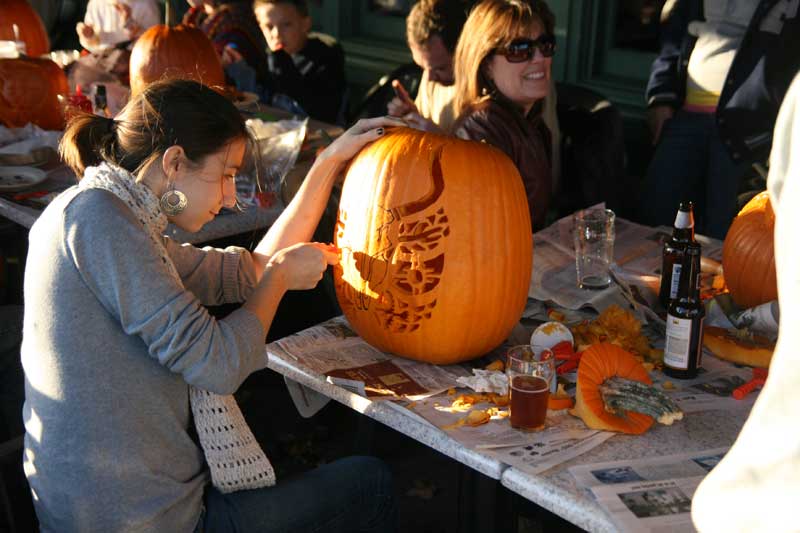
(166, 113)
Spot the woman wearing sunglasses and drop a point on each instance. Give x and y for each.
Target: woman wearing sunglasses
(502, 71)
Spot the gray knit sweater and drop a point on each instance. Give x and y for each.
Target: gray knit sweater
(110, 343)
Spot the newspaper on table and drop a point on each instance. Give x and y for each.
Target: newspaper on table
(335, 350)
(652, 494)
(637, 266)
(562, 438)
(651, 506)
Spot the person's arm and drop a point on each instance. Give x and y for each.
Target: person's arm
(86, 30)
(762, 469)
(663, 91)
(215, 276)
(122, 267)
(300, 218)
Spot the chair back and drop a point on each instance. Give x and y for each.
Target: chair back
(374, 102)
(592, 153)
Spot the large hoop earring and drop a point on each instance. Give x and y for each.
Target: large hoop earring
(173, 203)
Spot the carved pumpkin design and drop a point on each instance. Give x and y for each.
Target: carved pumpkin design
(164, 52)
(748, 254)
(29, 25)
(29, 91)
(436, 246)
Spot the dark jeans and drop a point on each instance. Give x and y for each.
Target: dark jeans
(691, 163)
(352, 494)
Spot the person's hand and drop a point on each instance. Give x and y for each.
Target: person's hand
(302, 265)
(124, 12)
(401, 104)
(417, 121)
(230, 55)
(656, 117)
(130, 25)
(357, 136)
(85, 30)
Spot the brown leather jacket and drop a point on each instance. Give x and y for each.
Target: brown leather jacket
(526, 140)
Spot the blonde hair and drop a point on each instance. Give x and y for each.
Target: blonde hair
(492, 24)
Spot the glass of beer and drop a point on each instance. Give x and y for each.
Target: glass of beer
(529, 383)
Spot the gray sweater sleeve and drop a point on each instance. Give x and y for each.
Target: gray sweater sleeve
(214, 276)
(120, 266)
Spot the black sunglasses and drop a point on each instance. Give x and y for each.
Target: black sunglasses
(521, 50)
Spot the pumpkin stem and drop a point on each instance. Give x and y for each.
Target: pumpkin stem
(621, 395)
(168, 14)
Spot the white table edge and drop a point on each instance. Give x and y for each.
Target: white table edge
(388, 416)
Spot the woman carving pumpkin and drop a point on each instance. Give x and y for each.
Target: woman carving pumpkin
(125, 369)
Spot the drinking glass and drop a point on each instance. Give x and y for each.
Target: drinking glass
(529, 382)
(594, 247)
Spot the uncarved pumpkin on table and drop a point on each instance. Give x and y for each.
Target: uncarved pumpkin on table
(748, 254)
(164, 52)
(29, 92)
(29, 26)
(436, 246)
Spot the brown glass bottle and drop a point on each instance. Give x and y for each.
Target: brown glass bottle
(672, 255)
(684, 346)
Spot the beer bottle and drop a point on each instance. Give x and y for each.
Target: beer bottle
(672, 255)
(684, 346)
(101, 101)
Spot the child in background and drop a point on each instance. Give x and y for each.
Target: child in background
(306, 70)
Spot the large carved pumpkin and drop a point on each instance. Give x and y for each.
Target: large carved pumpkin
(29, 25)
(174, 52)
(436, 246)
(748, 254)
(29, 91)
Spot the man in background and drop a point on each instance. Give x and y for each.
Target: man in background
(432, 31)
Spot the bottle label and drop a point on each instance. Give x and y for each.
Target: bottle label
(679, 336)
(675, 281)
(679, 342)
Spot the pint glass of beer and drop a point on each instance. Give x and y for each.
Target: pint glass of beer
(529, 383)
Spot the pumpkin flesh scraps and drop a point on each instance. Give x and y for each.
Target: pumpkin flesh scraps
(599, 365)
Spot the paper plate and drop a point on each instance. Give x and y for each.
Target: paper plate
(18, 178)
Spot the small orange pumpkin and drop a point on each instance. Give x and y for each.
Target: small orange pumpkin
(29, 92)
(748, 254)
(436, 246)
(599, 363)
(174, 52)
(29, 25)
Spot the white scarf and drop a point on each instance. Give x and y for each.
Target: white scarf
(233, 455)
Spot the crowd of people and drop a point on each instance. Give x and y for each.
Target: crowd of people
(712, 96)
(101, 274)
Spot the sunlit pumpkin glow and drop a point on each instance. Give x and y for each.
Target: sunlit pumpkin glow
(436, 246)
